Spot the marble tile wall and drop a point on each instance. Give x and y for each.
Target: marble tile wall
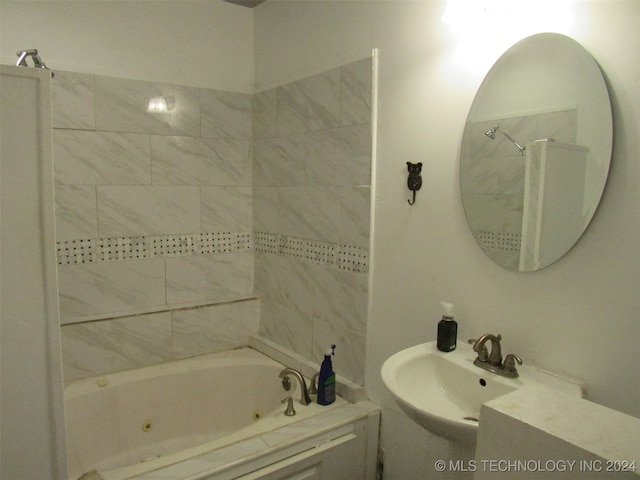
(153, 213)
(311, 210)
(104, 346)
(152, 209)
(163, 218)
(493, 186)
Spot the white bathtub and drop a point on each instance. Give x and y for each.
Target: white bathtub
(128, 424)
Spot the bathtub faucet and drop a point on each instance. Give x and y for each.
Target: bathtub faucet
(286, 383)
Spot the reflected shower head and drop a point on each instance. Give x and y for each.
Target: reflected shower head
(491, 133)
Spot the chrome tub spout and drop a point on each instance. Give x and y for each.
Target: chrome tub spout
(305, 399)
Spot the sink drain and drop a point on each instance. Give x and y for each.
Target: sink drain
(471, 419)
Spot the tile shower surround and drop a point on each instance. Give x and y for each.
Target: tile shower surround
(312, 180)
(162, 219)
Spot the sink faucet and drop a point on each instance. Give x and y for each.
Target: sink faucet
(493, 362)
(305, 399)
(495, 358)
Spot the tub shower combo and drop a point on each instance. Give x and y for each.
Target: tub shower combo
(237, 413)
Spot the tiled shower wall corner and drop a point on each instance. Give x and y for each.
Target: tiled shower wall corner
(156, 215)
(494, 188)
(312, 191)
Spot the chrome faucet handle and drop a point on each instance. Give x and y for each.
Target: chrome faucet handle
(483, 354)
(496, 351)
(313, 389)
(510, 363)
(290, 411)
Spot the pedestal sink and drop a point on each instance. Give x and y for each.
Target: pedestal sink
(443, 392)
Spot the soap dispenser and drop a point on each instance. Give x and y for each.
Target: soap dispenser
(447, 329)
(327, 379)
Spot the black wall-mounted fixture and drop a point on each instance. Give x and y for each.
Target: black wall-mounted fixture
(414, 182)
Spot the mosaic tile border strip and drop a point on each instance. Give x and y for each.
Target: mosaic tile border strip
(139, 247)
(498, 240)
(96, 250)
(343, 257)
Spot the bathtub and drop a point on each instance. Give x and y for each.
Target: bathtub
(213, 416)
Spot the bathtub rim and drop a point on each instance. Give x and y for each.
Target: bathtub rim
(270, 352)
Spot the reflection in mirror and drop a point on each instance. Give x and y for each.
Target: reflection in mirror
(536, 151)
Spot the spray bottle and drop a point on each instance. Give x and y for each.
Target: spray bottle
(327, 379)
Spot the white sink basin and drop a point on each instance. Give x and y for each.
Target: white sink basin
(443, 392)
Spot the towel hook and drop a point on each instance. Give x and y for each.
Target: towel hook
(414, 182)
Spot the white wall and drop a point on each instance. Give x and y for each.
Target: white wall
(579, 316)
(194, 43)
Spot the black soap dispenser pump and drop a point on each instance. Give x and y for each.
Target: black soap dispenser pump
(447, 329)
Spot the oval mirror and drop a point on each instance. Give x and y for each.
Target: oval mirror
(536, 151)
